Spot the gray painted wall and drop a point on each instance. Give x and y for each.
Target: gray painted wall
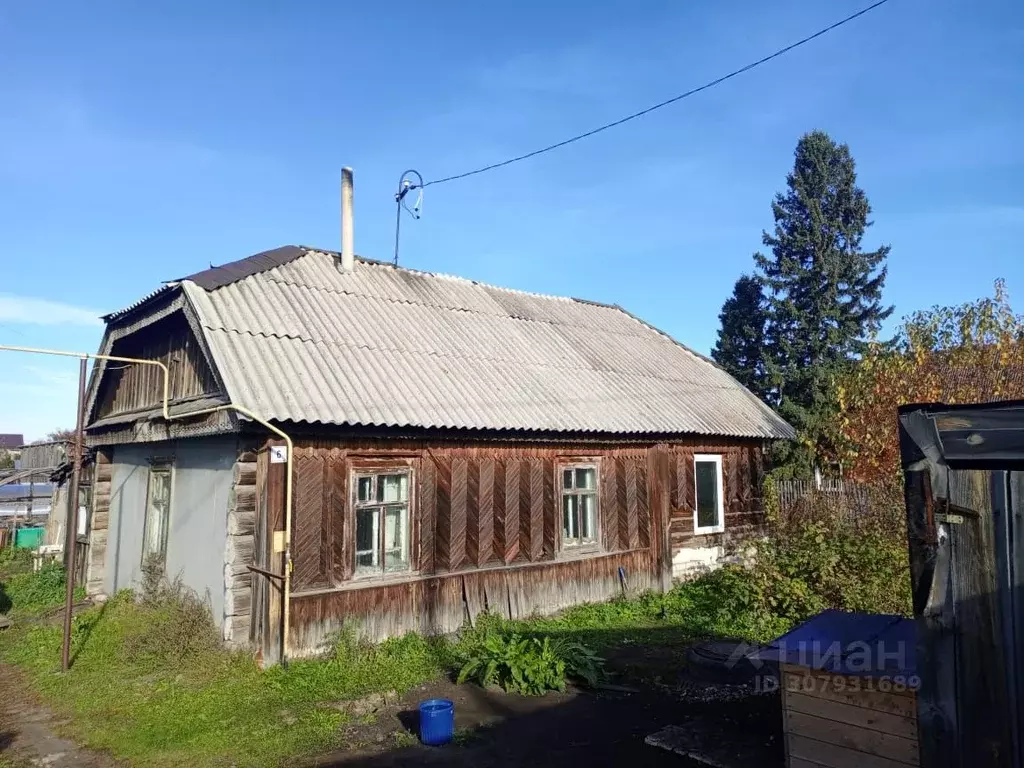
(200, 490)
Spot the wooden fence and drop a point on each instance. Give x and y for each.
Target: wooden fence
(846, 497)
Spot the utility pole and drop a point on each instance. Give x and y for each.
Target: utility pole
(71, 539)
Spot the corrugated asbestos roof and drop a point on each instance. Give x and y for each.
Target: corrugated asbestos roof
(302, 341)
(216, 277)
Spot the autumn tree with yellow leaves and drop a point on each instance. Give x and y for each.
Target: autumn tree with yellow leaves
(969, 353)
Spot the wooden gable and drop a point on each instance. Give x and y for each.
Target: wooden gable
(127, 388)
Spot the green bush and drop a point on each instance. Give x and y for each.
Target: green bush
(499, 653)
(582, 664)
(526, 665)
(730, 601)
(822, 554)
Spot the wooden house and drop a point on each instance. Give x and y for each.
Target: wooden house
(458, 448)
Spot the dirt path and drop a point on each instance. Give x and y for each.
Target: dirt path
(604, 728)
(28, 730)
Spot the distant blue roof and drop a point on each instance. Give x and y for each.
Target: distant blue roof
(846, 643)
(21, 490)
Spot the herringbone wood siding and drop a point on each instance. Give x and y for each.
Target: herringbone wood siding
(511, 510)
(426, 515)
(742, 476)
(311, 546)
(485, 513)
(457, 515)
(480, 506)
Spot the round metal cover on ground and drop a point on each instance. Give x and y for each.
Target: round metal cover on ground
(725, 661)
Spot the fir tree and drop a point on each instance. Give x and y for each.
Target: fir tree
(823, 291)
(740, 345)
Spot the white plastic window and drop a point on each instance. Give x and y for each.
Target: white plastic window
(708, 508)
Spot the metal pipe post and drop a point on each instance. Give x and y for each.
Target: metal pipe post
(72, 537)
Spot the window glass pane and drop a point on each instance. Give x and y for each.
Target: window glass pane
(585, 478)
(365, 489)
(392, 488)
(365, 561)
(707, 494)
(569, 518)
(154, 533)
(396, 539)
(84, 498)
(588, 517)
(567, 478)
(366, 537)
(157, 509)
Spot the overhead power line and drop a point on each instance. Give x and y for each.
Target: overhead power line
(659, 105)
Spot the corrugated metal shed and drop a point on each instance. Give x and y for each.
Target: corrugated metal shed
(296, 339)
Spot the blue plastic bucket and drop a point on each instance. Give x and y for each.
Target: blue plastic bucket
(437, 721)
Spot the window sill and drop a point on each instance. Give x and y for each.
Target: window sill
(709, 531)
(580, 553)
(362, 582)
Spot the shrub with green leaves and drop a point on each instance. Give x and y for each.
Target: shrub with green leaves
(730, 601)
(498, 653)
(582, 664)
(822, 554)
(526, 665)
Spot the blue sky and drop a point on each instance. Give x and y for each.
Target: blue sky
(141, 142)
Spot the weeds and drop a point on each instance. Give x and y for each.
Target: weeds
(34, 592)
(526, 665)
(356, 668)
(507, 654)
(404, 740)
(175, 623)
(132, 693)
(14, 560)
(463, 736)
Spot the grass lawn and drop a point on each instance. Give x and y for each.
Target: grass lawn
(151, 685)
(140, 699)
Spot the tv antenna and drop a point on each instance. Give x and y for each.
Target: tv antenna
(405, 186)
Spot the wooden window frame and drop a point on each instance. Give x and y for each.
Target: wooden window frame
(716, 459)
(583, 547)
(85, 510)
(158, 466)
(375, 470)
